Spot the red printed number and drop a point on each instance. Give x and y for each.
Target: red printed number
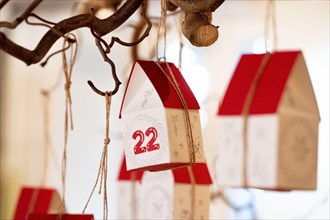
(138, 149)
(151, 146)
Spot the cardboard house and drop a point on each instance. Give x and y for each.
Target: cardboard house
(62, 217)
(155, 124)
(128, 187)
(282, 125)
(36, 200)
(170, 194)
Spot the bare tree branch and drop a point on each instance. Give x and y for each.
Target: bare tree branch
(100, 27)
(21, 18)
(114, 40)
(3, 2)
(197, 6)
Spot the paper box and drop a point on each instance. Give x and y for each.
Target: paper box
(63, 217)
(154, 119)
(168, 194)
(36, 200)
(282, 125)
(127, 197)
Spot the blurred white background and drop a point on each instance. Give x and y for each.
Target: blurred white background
(302, 25)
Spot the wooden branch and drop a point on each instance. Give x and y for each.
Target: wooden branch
(3, 2)
(196, 27)
(100, 27)
(21, 18)
(198, 5)
(114, 40)
(113, 70)
(170, 6)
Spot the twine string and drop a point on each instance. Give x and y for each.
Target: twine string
(161, 25)
(174, 83)
(133, 194)
(193, 191)
(270, 20)
(246, 112)
(68, 105)
(45, 96)
(187, 123)
(178, 28)
(102, 174)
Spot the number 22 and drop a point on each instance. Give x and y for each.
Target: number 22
(151, 146)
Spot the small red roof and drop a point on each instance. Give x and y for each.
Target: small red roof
(200, 171)
(126, 175)
(42, 198)
(269, 89)
(164, 88)
(35, 216)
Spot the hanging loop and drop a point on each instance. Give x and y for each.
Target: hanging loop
(113, 68)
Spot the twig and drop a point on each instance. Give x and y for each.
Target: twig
(113, 69)
(100, 27)
(21, 18)
(140, 39)
(197, 6)
(2, 3)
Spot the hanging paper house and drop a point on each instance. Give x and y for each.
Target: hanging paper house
(36, 200)
(170, 194)
(128, 187)
(282, 124)
(62, 217)
(155, 123)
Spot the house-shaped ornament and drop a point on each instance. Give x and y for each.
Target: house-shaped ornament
(36, 200)
(282, 125)
(128, 187)
(171, 194)
(61, 217)
(155, 120)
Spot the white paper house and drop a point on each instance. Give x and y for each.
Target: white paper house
(154, 119)
(282, 132)
(168, 194)
(127, 197)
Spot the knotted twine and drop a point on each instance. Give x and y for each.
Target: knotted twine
(246, 111)
(68, 104)
(175, 85)
(102, 174)
(173, 82)
(270, 20)
(270, 16)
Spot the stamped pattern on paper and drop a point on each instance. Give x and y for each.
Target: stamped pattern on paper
(145, 135)
(298, 141)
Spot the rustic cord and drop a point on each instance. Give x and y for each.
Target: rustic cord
(102, 174)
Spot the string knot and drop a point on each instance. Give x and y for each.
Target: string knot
(67, 85)
(107, 141)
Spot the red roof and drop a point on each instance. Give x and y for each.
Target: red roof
(270, 86)
(181, 175)
(42, 200)
(126, 175)
(165, 90)
(63, 217)
(200, 172)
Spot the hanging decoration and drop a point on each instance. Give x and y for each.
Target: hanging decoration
(269, 123)
(161, 114)
(128, 188)
(159, 133)
(175, 194)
